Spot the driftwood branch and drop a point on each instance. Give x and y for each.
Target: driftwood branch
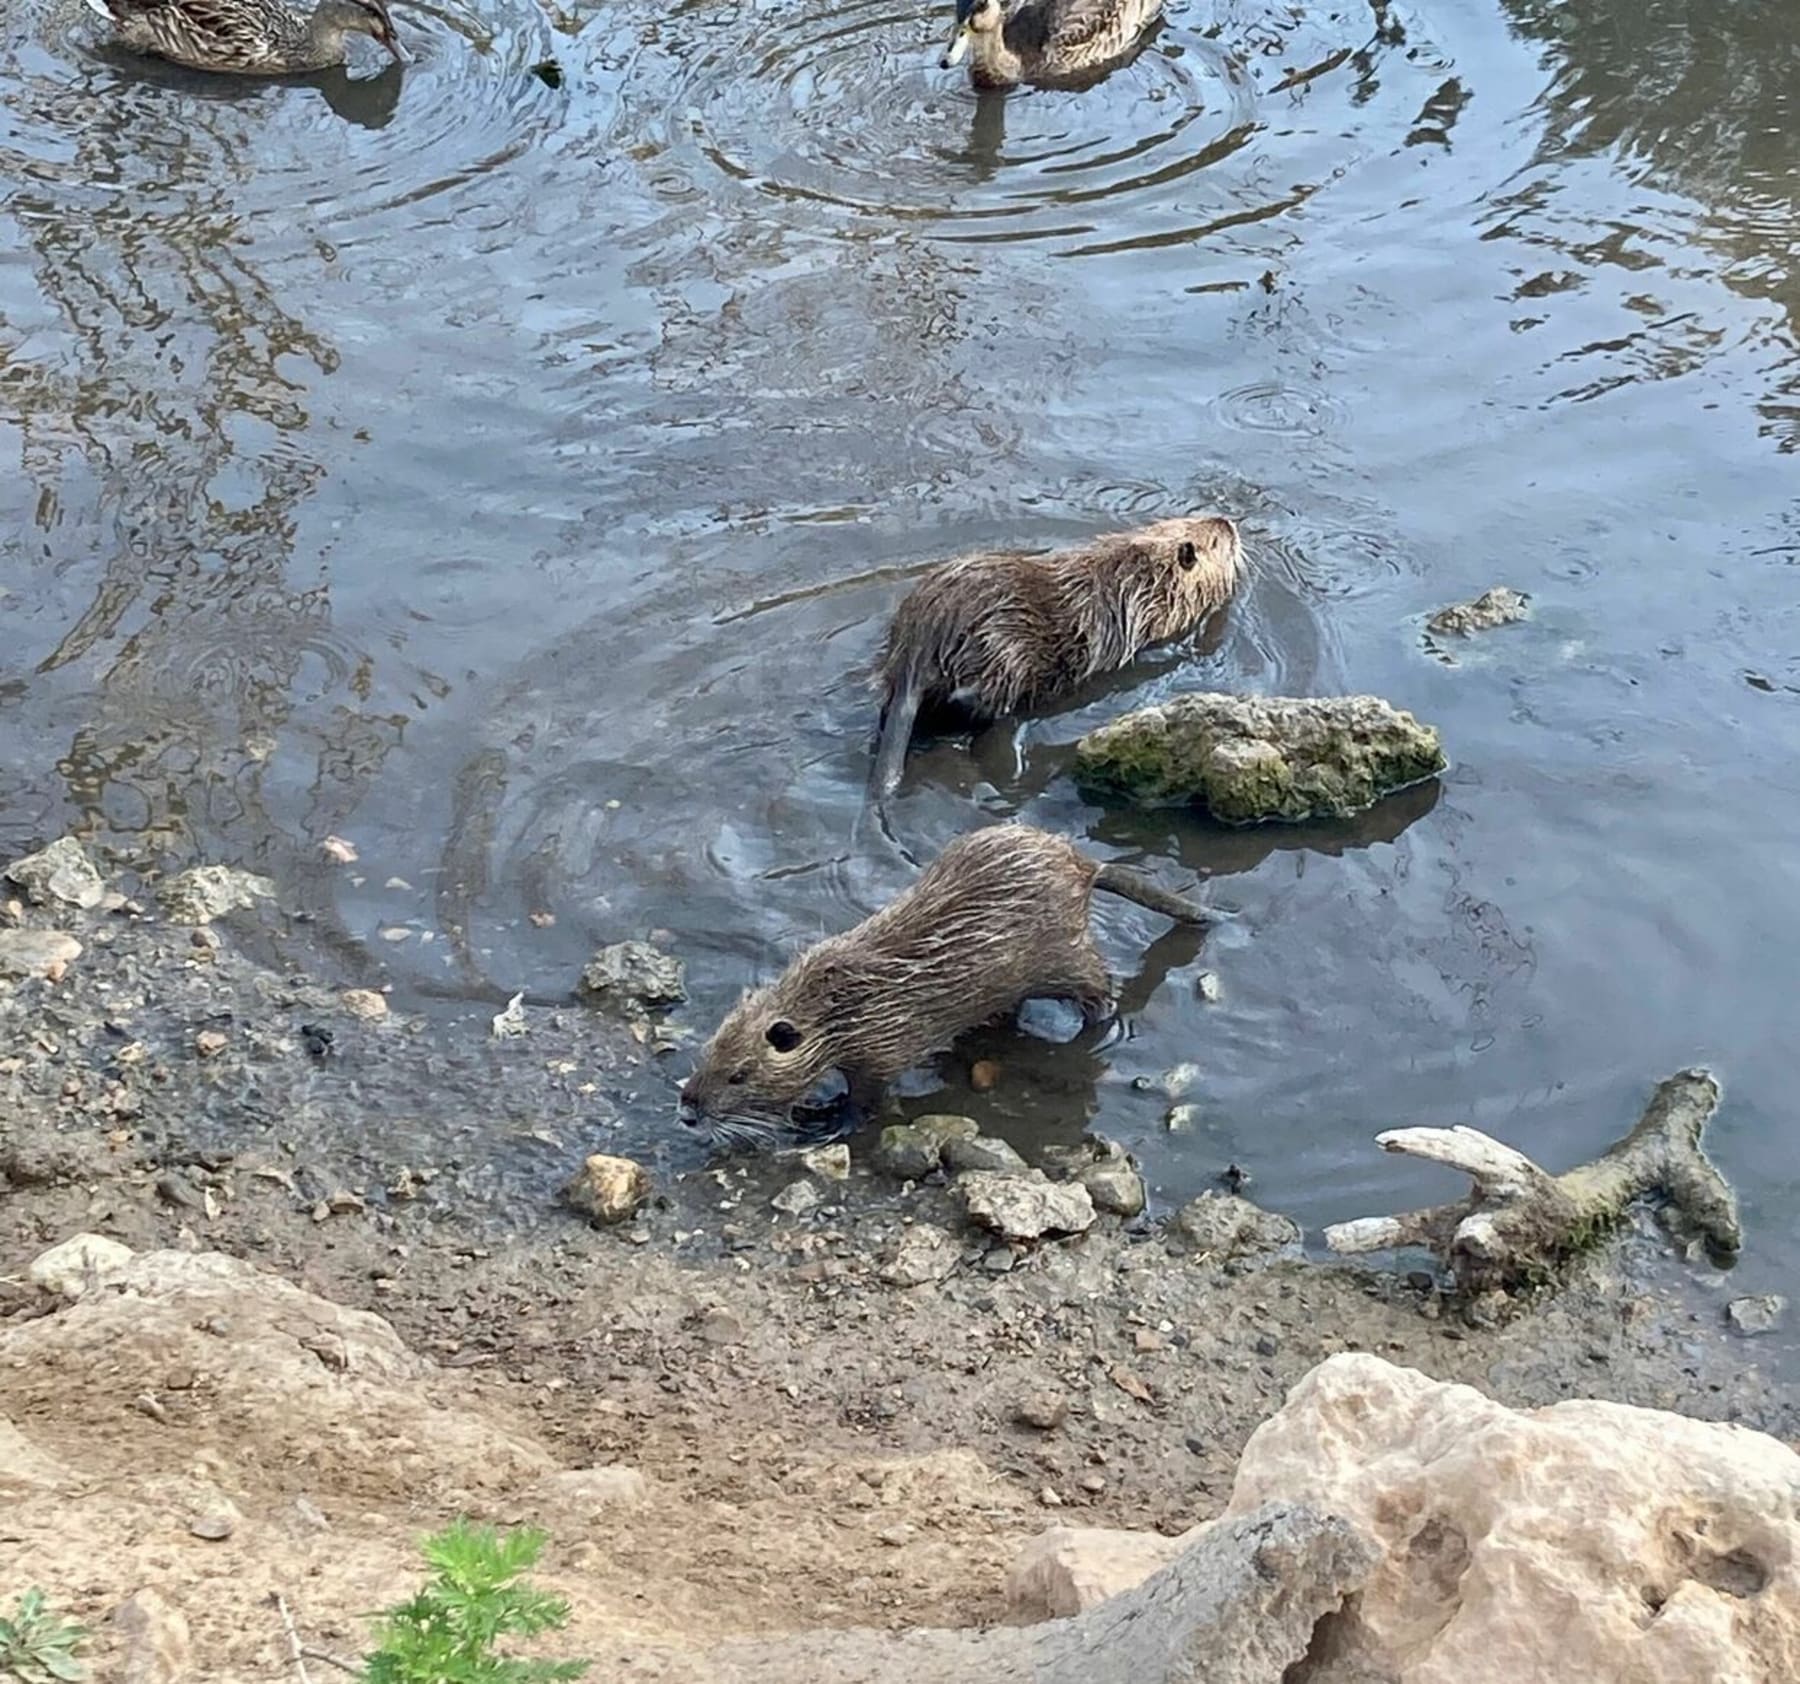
(1519, 1222)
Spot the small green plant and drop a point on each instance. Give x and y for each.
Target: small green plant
(446, 1634)
(37, 1645)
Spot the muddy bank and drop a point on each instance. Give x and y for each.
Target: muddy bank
(820, 1440)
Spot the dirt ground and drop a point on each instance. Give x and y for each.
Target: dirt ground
(819, 1448)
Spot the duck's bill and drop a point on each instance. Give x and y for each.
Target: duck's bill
(392, 43)
(959, 45)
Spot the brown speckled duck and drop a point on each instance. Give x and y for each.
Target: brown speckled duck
(248, 37)
(1013, 41)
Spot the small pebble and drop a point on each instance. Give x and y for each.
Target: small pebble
(1267, 1345)
(215, 1528)
(1207, 986)
(798, 1198)
(1094, 1483)
(984, 1075)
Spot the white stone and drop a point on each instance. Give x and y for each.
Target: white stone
(612, 1486)
(60, 872)
(1025, 1207)
(1069, 1569)
(44, 953)
(70, 1268)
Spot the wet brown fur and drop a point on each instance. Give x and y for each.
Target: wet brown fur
(1000, 631)
(1000, 917)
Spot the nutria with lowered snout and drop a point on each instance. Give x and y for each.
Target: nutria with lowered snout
(998, 918)
(992, 633)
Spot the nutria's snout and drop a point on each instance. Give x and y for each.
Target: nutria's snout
(687, 1113)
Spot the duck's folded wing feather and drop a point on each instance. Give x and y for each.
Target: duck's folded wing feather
(1081, 26)
(212, 20)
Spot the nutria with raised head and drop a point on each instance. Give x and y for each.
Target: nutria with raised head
(992, 633)
(998, 918)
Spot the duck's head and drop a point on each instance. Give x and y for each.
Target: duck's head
(973, 18)
(360, 17)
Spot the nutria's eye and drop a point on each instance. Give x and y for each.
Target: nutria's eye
(782, 1035)
(738, 1077)
(1188, 556)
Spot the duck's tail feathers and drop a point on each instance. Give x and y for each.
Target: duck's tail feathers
(1135, 886)
(101, 9)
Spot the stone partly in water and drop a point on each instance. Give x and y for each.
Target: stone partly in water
(1500, 606)
(42, 953)
(1025, 1207)
(1116, 1187)
(1751, 1316)
(608, 1189)
(206, 892)
(1252, 758)
(1587, 1540)
(61, 872)
(798, 1198)
(982, 1151)
(636, 977)
(1221, 1226)
(911, 1151)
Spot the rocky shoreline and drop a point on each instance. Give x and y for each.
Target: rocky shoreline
(854, 1410)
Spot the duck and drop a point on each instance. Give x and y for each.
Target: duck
(249, 37)
(1045, 40)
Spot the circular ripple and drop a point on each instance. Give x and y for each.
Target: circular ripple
(1267, 406)
(846, 108)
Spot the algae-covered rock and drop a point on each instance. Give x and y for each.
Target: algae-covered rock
(1252, 758)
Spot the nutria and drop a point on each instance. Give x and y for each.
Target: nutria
(992, 633)
(1000, 917)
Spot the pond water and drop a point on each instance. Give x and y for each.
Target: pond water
(511, 471)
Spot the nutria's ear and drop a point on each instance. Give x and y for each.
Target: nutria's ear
(782, 1035)
(1188, 556)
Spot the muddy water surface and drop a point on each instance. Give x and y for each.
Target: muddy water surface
(511, 471)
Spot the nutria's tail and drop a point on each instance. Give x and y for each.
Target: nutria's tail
(899, 713)
(1134, 886)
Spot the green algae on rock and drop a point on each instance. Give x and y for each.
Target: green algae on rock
(1247, 759)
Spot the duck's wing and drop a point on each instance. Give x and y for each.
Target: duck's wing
(1074, 30)
(224, 22)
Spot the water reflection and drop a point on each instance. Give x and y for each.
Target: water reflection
(1700, 101)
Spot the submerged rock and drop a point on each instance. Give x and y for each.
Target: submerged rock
(636, 977)
(1221, 1226)
(1500, 606)
(206, 892)
(60, 872)
(1751, 1316)
(1025, 1207)
(608, 1189)
(1252, 758)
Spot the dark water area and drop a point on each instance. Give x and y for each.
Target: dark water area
(515, 479)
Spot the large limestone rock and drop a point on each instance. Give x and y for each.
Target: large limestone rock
(1585, 1541)
(1250, 758)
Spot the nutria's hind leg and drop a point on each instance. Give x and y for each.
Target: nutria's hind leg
(1081, 977)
